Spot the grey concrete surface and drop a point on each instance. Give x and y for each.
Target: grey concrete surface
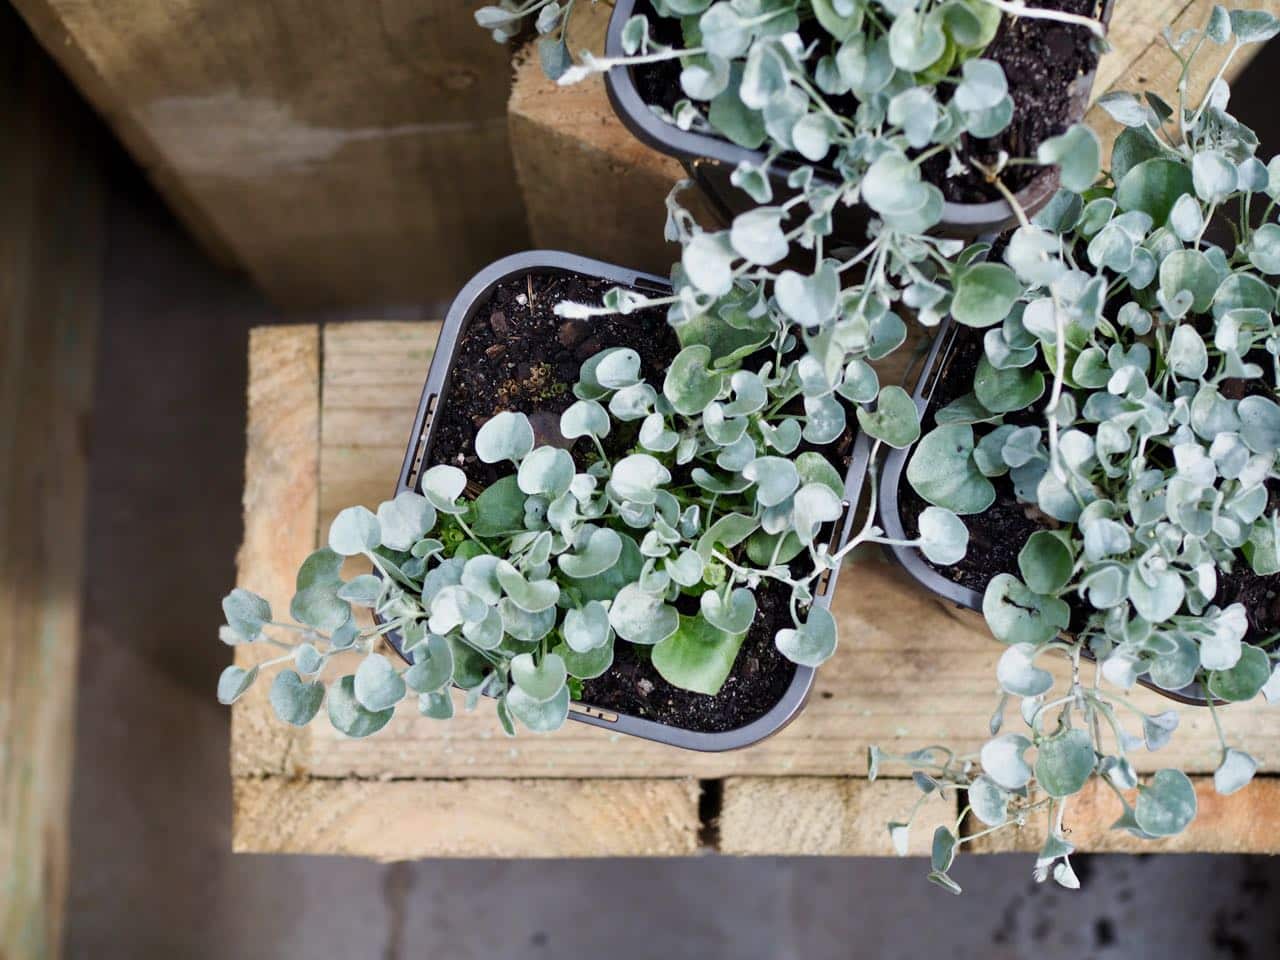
(152, 875)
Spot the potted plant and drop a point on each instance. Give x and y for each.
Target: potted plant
(745, 93)
(596, 508)
(1109, 431)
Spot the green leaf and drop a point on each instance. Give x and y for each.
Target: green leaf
(1189, 270)
(728, 113)
(504, 436)
(546, 472)
(814, 504)
(354, 531)
(1005, 390)
(405, 520)
(989, 803)
(433, 665)
(1064, 763)
(377, 685)
(588, 664)
(601, 551)
(734, 617)
(539, 716)
(349, 716)
(1016, 614)
(1166, 805)
(944, 538)
(437, 705)
(1154, 186)
(641, 617)
(916, 40)
(531, 596)
(895, 419)
(316, 602)
(776, 479)
(587, 629)
(689, 384)
(638, 477)
(1046, 562)
(295, 701)
(233, 682)
(943, 851)
(942, 471)
(808, 300)
(584, 418)
(984, 294)
(757, 235)
(812, 643)
(698, 656)
(1245, 680)
(1002, 760)
(541, 680)
(1018, 675)
(1078, 154)
(442, 485)
(363, 591)
(499, 509)
(246, 613)
(1235, 771)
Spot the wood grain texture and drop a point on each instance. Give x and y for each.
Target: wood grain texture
(1245, 822)
(282, 467)
(589, 185)
(830, 816)
(1140, 60)
(50, 269)
(407, 819)
(340, 153)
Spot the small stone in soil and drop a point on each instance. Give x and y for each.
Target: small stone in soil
(498, 322)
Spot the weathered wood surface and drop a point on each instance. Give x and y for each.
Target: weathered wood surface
(50, 262)
(339, 152)
(1139, 59)
(410, 819)
(909, 672)
(589, 185)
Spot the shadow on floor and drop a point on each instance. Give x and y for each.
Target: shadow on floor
(152, 875)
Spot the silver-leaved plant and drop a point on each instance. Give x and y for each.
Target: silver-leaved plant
(1154, 351)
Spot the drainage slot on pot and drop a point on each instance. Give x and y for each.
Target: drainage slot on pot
(824, 582)
(583, 710)
(650, 286)
(411, 481)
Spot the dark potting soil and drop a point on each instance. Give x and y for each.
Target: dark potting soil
(1041, 59)
(997, 535)
(516, 354)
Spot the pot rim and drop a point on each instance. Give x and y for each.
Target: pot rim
(470, 299)
(913, 561)
(691, 148)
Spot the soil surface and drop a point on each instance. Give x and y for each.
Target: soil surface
(996, 536)
(516, 354)
(1041, 59)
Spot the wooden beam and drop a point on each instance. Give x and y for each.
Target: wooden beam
(589, 185)
(340, 153)
(50, 263)
(411, 819)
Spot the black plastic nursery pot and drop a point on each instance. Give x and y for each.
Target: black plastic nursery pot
(891, 508)
(710, 160)
(447, 370)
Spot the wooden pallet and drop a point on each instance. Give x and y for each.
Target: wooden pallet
(329, 411)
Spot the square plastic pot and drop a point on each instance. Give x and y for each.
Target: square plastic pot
(947, 591)
(710, 160)
(435, 395)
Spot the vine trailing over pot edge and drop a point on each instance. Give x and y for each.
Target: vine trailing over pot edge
(1159, 355)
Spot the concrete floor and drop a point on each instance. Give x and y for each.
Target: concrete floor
(152, 875)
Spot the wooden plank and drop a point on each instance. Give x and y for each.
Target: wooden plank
(410, 819)
(589, 185)
(828, 816)
(340, 153)
(282, 465)
(50, 270)
(896, 642)
(1140, 60)
(1245, 822)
